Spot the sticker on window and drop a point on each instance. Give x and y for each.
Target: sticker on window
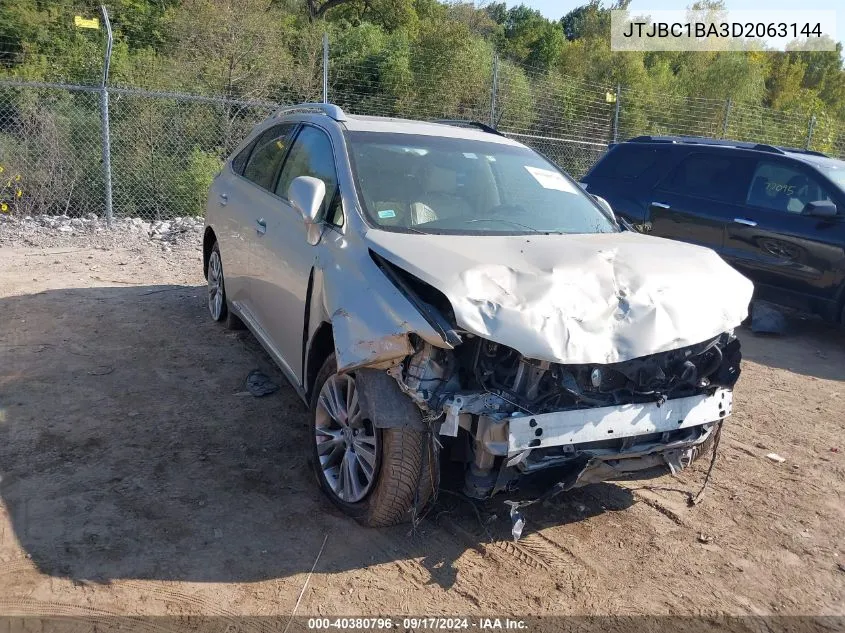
(469, 155)
(386, 213)
(549, 179)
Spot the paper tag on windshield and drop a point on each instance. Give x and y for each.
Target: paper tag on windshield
(549, 179)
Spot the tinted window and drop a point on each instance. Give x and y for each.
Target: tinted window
(713, 176)
(780, 187)
(627, 162)
(239, 161)
(269, 151)
(311, 155)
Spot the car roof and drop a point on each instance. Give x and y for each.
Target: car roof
(460, 129)
(791, 152)
(425, 128)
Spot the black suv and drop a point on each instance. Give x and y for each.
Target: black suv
(776, 214)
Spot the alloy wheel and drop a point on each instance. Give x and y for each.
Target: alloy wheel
(215, 286)
(347, 443)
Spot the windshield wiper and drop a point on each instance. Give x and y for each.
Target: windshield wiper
(511, 222)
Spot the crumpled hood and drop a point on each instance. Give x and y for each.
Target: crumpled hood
(598, 298)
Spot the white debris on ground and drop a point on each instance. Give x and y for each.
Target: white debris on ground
(49, 231)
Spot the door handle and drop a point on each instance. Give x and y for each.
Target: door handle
(745, 222)
(260, 226)
(223, 199)
(660, 205)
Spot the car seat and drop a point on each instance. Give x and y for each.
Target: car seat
(440, 197)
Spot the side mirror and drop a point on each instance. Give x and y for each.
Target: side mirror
(604, 204)
(306, 194)
(820, 209)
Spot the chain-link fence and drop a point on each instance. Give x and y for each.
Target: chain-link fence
(166, 146)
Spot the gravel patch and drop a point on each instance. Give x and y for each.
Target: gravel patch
(51, 231)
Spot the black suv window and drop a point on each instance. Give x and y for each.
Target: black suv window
(713, 176)
(270, 149)
(627, 162)
(311, 155)
(781, 187)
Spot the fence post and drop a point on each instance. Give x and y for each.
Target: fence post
(104, 113)
(616, 114)
(494, 88)
(325, 67)
(811, 126)
(728, 105)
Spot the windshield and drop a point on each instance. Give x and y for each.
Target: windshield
(431, 184)
(835, 171)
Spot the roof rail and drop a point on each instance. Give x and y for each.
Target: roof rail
(798, 150)
(720, 142)
(464, 123)
(329, 109)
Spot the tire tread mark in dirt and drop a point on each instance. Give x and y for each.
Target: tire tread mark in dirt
(33, 609)
(20, 565)
(530, 552)
(205, 606)
(654, 503)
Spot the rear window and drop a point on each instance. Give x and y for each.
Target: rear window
(627, 162)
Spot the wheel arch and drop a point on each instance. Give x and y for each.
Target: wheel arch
(208, 240)
(320, 347)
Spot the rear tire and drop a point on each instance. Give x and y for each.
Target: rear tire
(218, 302)
(393, 489)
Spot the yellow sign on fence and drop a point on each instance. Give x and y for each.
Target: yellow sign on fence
(86, 23)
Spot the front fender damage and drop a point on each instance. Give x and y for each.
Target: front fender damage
(371, 319)
(358, 344)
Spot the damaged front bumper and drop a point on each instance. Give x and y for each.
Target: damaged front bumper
(511, 416)
(569, 429)
(598, 444)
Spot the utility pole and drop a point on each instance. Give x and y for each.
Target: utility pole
(104, 113)
(616, 114)
(325, 67)
(810, 129)
(493, 90)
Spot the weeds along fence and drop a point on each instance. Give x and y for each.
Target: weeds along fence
(158, 150)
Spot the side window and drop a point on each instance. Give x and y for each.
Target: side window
(239, 161)
(270, 149)
(712, 176)
(311, 155)
(335, 215)
(780, 187)
(627, 162)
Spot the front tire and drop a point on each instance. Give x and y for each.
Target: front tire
(371, 474)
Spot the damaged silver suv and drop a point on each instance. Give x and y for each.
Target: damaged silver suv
(434, 287)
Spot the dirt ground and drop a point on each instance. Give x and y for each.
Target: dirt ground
(139, 478)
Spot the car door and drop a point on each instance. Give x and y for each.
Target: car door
(247, 193)
(696, 199)
(232, 223)
(625, 177)
(282, 258)
(791, 257)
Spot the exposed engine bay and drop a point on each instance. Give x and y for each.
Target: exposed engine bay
(519, 415)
